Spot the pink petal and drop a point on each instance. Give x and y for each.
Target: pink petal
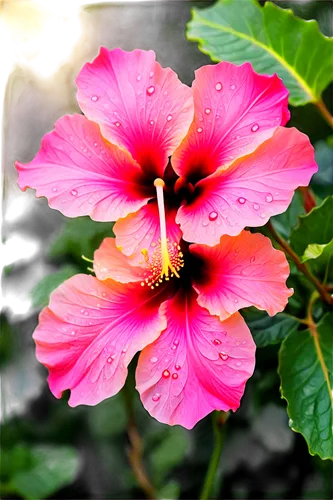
(251, 190)
(242, 271)
(110, 262)
(235, 110)
(138, 104)
(81, 173)
(197, 365)
(142, 230)
(91, 331)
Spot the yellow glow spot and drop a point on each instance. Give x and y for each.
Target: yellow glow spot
(24, 20)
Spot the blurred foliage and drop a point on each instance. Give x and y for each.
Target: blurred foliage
(49, 449)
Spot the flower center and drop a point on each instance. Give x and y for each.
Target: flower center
(167, 259)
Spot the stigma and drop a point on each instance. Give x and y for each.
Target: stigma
(167, 259)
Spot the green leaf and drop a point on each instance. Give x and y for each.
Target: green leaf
(169, 453)
(50, 468)
(42, 291)
(322, 181)
(272, 39)
(283, 223)
(313, 251)
(170, 491)
(306, 371)
(315, 227)
(268, 330)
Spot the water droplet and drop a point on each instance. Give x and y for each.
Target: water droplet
(223, 356)
(236, 300)
(103, 294)
(138, 78)
(95, 144)
(262, 215)
(117, 124)
(207, 111)
(110, 359)
(176, 342)
(72, 332)
(150, 90)
(216, 342)
(233, 86)
(86, 313)
(243, 342)
(269, 198)
(124, 350)
(224, 333)
(166, 374)
(156, 397)
(54, 189)
(177, 367)
(151, 122)
(174, 347)
(174, 376)
(218, 86)
(82, 311)
(165, 92)
(256, 207)
(241, 200)
(94, 98)
(213, 216)
(252, 259)
(151, 74)
(239, 363)
(154, 359)
(73, 192)
(169, 117)
(205, 223)
(199, 130)
(255, 127)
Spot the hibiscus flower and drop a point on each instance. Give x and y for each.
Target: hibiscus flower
(179, 305)
(233, 164)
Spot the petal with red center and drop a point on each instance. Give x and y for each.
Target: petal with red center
(91, 331)
(235, 110)
(241, 271)
(138, 104)
(110, 262)
(142, 231)
(197, 365)
(251, 190)
(81, 173)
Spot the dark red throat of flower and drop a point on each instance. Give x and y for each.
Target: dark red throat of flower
(167, 259)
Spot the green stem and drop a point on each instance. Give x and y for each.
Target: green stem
(219, 419)
(300, 265)
(324, 112)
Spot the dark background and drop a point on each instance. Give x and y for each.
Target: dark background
(262, 457)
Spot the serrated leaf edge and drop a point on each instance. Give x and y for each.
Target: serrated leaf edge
(290, 69)
(314, 335)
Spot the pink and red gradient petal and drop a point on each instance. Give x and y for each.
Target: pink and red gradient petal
(235, 110)
(251, 190)
(91, 331)
(81, 173)
(197, 365)
(142, 230)
(239, 272)
(137, 103)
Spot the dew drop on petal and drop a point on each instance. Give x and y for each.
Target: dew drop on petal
(236, 300)
(213, 216)
(239, 363)
(255, 127)
(138, 78)
(216, 341)
(154, 359)
(151, 74)
(269, 198)
(117, 124)
(95, 144)
(169, 118)
(218, 86)
(175, 376)
(199, 130)
(150, 90)
(176, 342)
(233, 86)
(252, 259)
(241, 200)
(72, 332)
(156, 397)
(109, 360)
(224, 333)
(207, 111)
(94, 98)
(54, 189)
(256, 207)
(124, 350)
(223, 356)
(262, 215)
(151, 122)
(73, 192)
(177, 367)
(205, 223)
(166, 374)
